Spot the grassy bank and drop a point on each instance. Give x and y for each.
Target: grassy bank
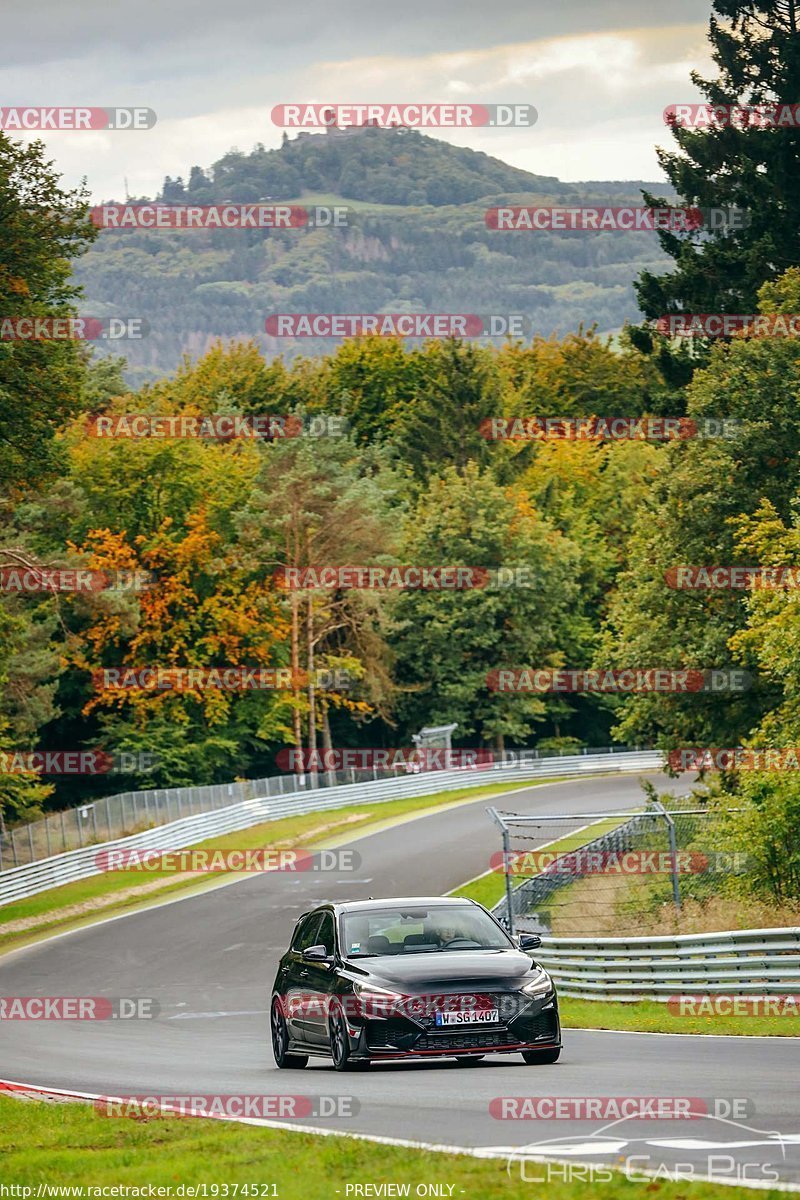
(653, 1016)
(71, 1144)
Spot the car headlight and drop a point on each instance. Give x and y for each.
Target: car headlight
(539, 986)
(374, 1001)
(372, 989)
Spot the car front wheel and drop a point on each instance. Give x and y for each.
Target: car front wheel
(340, 1043)
(280, 1041)
(541, 1057)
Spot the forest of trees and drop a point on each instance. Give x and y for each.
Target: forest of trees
(412, 480)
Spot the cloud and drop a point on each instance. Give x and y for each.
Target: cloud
(600, 92)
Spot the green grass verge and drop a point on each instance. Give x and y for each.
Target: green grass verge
(71, 1144)
(489, 889)
(99, 895)
(652, 1016)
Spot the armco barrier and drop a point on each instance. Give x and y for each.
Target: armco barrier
(742, 962)
(21, 882)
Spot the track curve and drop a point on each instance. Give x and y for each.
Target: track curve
(209, 961)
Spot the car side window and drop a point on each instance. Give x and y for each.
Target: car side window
(324, 937)
(306, 934)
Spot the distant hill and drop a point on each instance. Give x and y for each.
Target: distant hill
(418, 243)
(386, 166)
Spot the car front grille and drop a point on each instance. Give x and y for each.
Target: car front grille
(484, 1039)
(517, 1026)
(423, 1012)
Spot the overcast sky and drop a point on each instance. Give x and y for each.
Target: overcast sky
(600, 73)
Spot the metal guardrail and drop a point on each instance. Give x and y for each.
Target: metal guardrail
(130, 812)
(741, 962)
(21, 882)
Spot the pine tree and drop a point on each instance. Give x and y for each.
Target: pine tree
(756, 47)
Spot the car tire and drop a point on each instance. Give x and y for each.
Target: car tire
(540, 1058)
(471, 1060)
(340, 1043)
(280, 1042)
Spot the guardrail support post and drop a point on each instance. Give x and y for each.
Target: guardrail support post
(498, 820)
(673, 851)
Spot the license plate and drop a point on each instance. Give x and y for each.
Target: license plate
(483, 1016)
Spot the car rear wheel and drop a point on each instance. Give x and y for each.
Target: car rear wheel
(470, 1060)
(280, 1042)
(340, 1044)
(541, 1057)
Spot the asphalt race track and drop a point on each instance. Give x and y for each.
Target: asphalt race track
(209, 962)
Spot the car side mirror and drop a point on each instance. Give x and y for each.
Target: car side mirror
(316, 954)
(530, 941)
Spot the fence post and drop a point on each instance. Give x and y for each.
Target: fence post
(94, 821)
(673, 852)
(78, 823)
(46, 834)
(63, 831)
(108, 818)
(30, 839)
(498, 820)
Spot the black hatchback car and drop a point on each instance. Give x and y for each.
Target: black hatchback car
(374, 980)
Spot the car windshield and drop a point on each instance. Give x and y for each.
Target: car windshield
(447, 927)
